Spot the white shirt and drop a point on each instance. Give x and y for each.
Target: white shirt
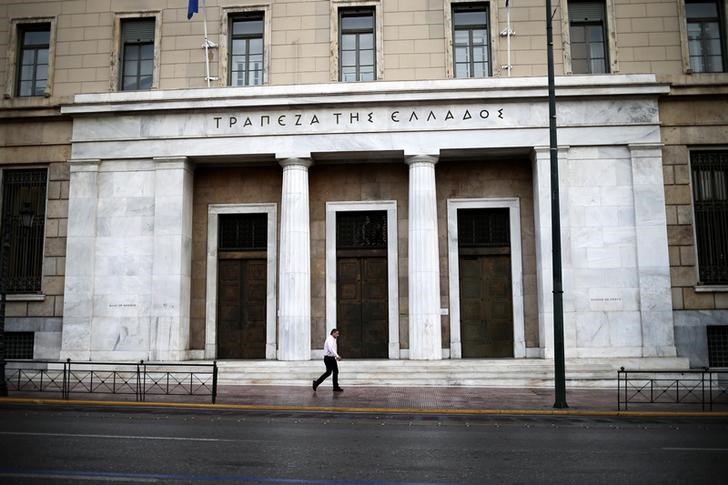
(330, 347)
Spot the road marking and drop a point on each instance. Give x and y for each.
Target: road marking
(115, 436)
(719, 450)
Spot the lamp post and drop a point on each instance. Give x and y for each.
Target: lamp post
(26, 221)
(559, 367)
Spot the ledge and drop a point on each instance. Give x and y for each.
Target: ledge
(26, 297)
(711, 289)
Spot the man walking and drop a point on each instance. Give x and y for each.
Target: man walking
(330, 358)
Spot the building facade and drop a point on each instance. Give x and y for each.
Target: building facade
(378, 166)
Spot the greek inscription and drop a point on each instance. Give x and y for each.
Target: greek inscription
(282, 120)
(394, 116)
(414, 116)
(247, 122)
(233, 120)
(298, 120)
(353, 116)
(431, 116)
(266, 118)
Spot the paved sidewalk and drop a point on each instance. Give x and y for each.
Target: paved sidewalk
(434, 400)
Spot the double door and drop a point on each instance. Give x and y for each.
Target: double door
(362, 305)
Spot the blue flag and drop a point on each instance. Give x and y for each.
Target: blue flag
(191, 8)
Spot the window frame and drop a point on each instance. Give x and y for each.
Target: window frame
(357, 11)
(584, 24)
(610, 43)
(39, 221)
(225, 47)
(252, 16)
(700, 284)
(36, 48)
(488, 47)
(334, 35)
(139, 46)
(722, 18)
(14, 47)
(115, 77)
(498, 60)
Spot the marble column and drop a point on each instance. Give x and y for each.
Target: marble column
(425, 333)
(294, 314)
(80, 256)
(172, 260)
(653, 262)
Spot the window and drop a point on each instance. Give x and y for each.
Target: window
(19, 345)
(33, 59)
(470, 40)
(356, 45)
(705, 35)
(246, 54)
(23, 218)
(137, 54)
(717, 345)
(710, 202)
(587, 29)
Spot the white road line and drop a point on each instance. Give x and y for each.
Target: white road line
(114, 436)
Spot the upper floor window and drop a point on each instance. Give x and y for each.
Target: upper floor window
(705, 35)
(33, 59)
(246, 54)
(710, 202)
(23, 218)
(471, 46)
(356, 45)
(587, 30)
(137, 54)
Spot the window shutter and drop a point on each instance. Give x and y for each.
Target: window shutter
(138, 31)
(586, 11)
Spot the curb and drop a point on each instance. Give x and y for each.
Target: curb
(366, 410)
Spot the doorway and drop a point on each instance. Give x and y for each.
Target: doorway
(361, 284)
(242, 286)
(486, 299)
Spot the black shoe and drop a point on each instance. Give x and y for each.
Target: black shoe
(314, 384)
(338, 389)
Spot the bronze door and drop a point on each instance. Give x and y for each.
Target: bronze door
(362, 306)
(241, 320)
(486, 306)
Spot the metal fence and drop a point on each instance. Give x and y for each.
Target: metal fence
(705, 387)
(141, 379)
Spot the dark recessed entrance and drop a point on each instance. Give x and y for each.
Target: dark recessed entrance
(486, 300)
(361, 283)
(242, 276)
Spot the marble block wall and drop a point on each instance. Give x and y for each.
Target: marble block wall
(616, 277)
(128, 263)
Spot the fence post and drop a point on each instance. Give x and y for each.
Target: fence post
(619, 388)
(66, 379)
(138, 382)
(214, 381)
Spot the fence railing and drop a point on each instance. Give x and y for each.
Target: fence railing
(705, 387)
(141, 379)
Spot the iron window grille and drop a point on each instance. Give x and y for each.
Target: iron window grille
(710, 203)
(32, 75)
(482, 228)
(706, 35)
(246, 54)
(19, 345)
(357, 59)
(243, 232)
(471, 41)
(23, 221)
(361, 230)
(137, 54)
(717, 345)
(587, 30)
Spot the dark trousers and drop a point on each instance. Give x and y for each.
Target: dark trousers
(331, 368)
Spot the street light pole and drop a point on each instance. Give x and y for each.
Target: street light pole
(559, 366)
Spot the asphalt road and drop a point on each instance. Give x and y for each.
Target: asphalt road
(42, 445)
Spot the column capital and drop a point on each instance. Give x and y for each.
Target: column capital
(293, 161)
(412, 159)
(545, 151)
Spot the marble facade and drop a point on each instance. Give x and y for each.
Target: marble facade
(129, 271)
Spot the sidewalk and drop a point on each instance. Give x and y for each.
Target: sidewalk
(410, 400)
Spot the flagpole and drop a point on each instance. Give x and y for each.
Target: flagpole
(206, 44)
(508, 37)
